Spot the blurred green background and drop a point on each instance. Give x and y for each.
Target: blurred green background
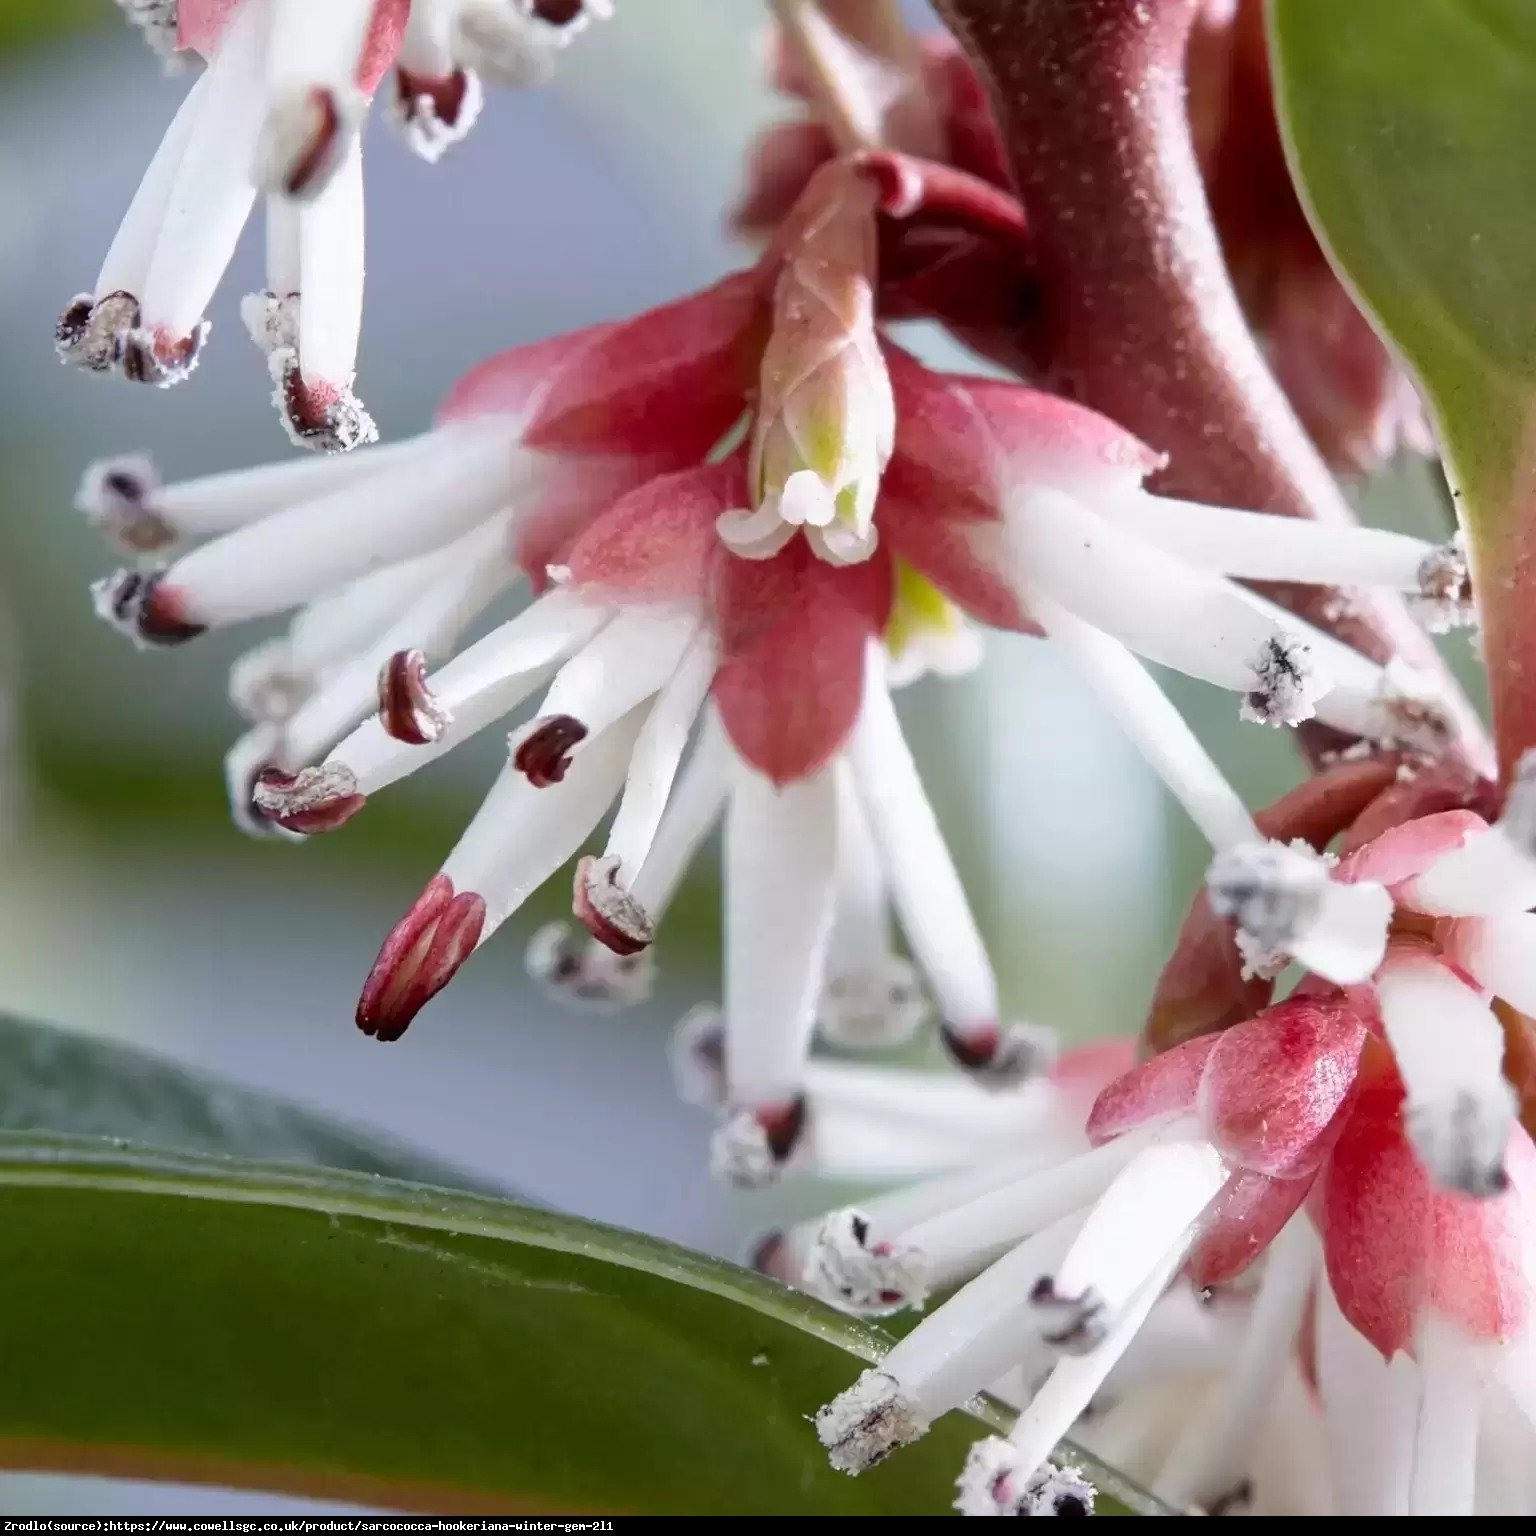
(128, 905)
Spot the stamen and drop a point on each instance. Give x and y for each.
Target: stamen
(971, 1340)
(206, 204)
(250, 756)
(1160, 607)
(1072, 1385)
(90, 334)
(323, 417)
(1446, 599)
(432, 114)
(1154, 725)
(575, 968)
(313, 106)
(1286, 906)
(1000, 1056)
(609, 911)
(1445, 1450)
(992, 1484)
(420, 957)
(140, 605)
(115, 495)
(1492, 871)
(157, 21)
(499, 40)
(693, 808)
(863, 1425)
(1449, 1049)
(272, 320)
(873, 1278)
(270, 682)
(311, 800)
(159, 357)
(303, 141)
(751, 1147)
(697, 1057)
(1261, 546)
(780, 858)
(1499, 953)
(408, 709)
(1370, 1406)
(925, 885)
(875, 1006)
(1152, 1203)
(1287, 683)
(1207, 1459)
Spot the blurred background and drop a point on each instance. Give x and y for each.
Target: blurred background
(129, 907)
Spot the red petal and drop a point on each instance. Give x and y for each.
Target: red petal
(1247, 1218)
(1395, 1243)
(383, 42)
(1430, 789)
(1405, 851)
(659, 542)
(512, 382)
(1476, 1271)
(1159, 1089)
(961, 557)
(673, 380)
(576, 489)
(793, 633)
(1376, 1212)
(965, 442)
(1089, 1069)
(201, 23)
(1273, 1086)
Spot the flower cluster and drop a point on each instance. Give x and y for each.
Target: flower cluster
(1280, 1261)
(751, 590)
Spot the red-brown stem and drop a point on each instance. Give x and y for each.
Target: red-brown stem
(1139, 318)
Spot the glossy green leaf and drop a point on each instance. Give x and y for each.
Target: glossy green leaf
(1411, 126)
(181, 1317)
(57, 1080)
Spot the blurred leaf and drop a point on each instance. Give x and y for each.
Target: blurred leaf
(35, 21)
(182, 1318)
(1411, 128)
(56, 1080)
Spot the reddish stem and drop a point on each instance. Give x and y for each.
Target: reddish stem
(1139, 317)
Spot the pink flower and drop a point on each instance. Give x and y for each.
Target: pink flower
(1372, 1106)
(744, 601)
(279, 111)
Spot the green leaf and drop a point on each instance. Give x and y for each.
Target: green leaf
(171, 1316)
(1410, 125)
(55, 1080)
